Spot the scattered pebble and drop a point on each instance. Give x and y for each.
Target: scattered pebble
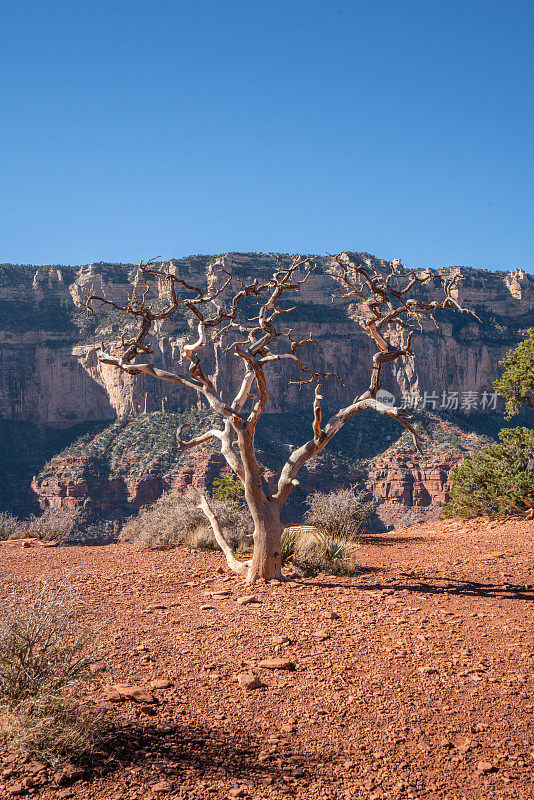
(246, 599)
(249, 681)
(277, 663)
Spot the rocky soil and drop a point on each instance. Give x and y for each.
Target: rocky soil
(411, 680)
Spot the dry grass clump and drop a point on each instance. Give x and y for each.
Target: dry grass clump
(175, 519)
(44, 663)
(9, 525)
(54, 523)
(53, 730)
(315, 551)
(339, 514)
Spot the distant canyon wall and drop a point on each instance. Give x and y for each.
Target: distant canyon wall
(49, 371)
(50, 377)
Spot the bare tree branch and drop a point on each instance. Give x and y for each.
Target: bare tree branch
(247, 319)
(197, 440)
(235, 565)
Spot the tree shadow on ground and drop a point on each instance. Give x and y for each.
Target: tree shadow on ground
(213, 754)
(387, 541)
(433, 585)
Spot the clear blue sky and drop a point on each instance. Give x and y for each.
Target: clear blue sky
(135, 129)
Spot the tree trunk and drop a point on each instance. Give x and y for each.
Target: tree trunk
(266, 560)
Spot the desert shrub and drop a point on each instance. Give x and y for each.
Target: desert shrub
(288, 544)
(52, 729)
(44, 662)
(401, 516)
(54, 523)
(517, 382)
(9, 525)
(175, 519)
(341, 513)
(320, 552)
(498, 481)
(229, 490)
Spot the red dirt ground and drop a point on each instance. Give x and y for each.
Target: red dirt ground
(419, 687)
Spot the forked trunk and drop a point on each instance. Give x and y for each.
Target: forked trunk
(266, 560)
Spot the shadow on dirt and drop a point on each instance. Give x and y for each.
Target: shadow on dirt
(429, 585)
(209, 754)
(380, 540)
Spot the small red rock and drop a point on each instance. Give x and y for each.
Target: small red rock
(483, 767)
(288, 728)
(160, 683)
(248, 681)
(239, 791)
(162, 787)
(68, 774)
(277, 663)
(136, 693)
(427, 670)
(17, 789)
(246, 599)
(34, 767)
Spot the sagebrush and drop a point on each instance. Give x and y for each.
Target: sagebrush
(54, 523)
(341, 513)
(176, 519)
(9, 525)
(59, 524)
(45, 657)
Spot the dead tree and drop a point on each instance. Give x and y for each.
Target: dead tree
(389, 313)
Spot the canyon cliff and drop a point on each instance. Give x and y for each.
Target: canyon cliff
(53, 389)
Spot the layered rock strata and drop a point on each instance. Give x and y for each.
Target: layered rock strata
(50, 374)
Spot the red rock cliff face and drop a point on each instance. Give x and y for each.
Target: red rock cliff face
(49, 372)
(401, 477)
(398, 478)
(75, 483)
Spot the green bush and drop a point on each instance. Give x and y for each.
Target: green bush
(517, 382)
(229, 490)
(498, 481)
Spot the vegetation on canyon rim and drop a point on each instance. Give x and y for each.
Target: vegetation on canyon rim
(53, 524)
(501, 479)
(517, 382)
(338, 519)
(247, 321)
(45, 658)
